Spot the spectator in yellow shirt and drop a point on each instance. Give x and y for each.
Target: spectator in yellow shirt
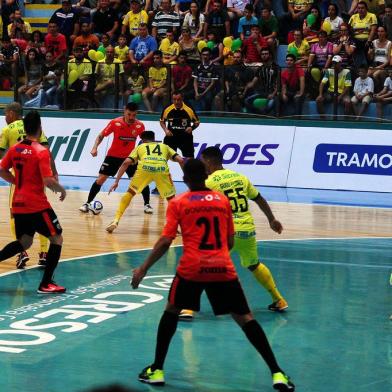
(133, 19)
(121, 50)
(169, 48)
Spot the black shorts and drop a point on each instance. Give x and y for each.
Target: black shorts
(182, 141)
(43, 222)
(111, 165)
(225, 297)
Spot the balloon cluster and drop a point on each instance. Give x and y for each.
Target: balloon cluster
(95, 55)
(228, 43)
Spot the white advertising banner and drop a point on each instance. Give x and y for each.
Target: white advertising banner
(349, 159)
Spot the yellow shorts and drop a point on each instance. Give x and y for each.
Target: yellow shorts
(163, 181)
(246, 246)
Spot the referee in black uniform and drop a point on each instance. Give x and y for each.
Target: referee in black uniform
(178, 121)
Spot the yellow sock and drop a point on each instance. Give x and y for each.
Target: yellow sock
(12, 225)
(43, 243)
(124, 203)
(265, 278)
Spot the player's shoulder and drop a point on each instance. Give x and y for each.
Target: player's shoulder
(167, 109)
(138, 125)
(117, 122)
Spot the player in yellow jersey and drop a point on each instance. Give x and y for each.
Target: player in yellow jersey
(13, 133)
(152, 158)
(239, 190)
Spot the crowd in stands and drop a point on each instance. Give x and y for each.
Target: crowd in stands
(222, 54)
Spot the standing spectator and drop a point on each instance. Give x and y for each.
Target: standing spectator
(246, 22)
(217, 20)
(86, 40)
(182, 77)
(364, 25)
(344, 84)
(269, 27)
(169, 48)
(334, 20)
(293, 85)
(157, 83)
(9, 59)
(133, 19)
(33, 75)
(384, 97)
(142, 47)
(189, 47)
(67, 21)
(194, 20)
(164, 20)
(301, 47)
(344, 45)
(205, 77)
(56, 43)
(105, 20)
(253, 45)
(363, 92)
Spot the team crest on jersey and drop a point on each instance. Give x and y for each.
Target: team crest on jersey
(209, 197)
(138, 126)
(118, 124)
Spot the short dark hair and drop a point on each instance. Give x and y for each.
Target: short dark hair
(32, 122)
(131, 106)
(194, 171)
(183, 53)
(291, 56)
(214, 154)
(205, 50)
(178, 92)
(157, 53)
(249, 7)
(147, 135)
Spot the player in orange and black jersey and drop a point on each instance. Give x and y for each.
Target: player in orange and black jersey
(125, 131)
(207, 229)
(31, 163)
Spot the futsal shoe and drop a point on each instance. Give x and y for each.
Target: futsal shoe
(282, 383)
(186, 315)
(85, 208)
(21, 260)
(154, 377)
(42, 259)
(278, 306)
(148, 209)
(50, 288)
(113, 226)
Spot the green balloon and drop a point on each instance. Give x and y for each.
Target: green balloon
(102, 49)
(137, 97)
(293, 50)
(236, 44)
(210, 45)
(260, 103)
(310, 19)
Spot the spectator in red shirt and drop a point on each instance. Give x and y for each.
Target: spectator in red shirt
(253, 45)
(182, 76)
(56, 43)
(293, 85)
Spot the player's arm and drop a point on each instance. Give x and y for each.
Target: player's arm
(264, 206)
(55, 186)
(98, 141)
(165, 129)
(123, 168)
(5, 166)
(179, 159)
(48, 178)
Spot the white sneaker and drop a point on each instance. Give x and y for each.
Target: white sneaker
(85, 208)
(148, 209)
(186, 315)
(112, 227)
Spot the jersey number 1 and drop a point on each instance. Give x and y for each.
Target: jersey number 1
(206, 222)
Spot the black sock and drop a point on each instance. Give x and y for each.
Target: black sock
(167, 328)
(52, 260)
(146, 195)
(95, 188)
(10, 250)
(256, 336)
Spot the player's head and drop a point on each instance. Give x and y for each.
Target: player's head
(195, 174)
(212, 157)
(177, 99)
(147, 136)
(130, 112)
(32, 123)
(13, 111)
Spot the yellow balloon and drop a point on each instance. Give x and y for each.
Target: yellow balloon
(227, 42)
(92, 54)
(99, 56)
(316, 74)
(72, 77)
(327, 27)
(201, 45)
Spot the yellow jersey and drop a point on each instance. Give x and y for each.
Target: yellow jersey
(14, 133)
(157, 75)
(361, 27)
(106, 71)
(121, 53)
(153, 157)
(238, 189)
(133, 21)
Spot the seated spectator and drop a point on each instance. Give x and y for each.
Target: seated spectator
(380, 57)
(182, 8)
(105, 72)
(334, 20)
(204, 84)
(194, 20)
(18, 39)
(83, 68)
(133, 19)
(164, 20)
(217, 20)
(363, 92)
(374, 6)
(86, 40)
(188, 45)
(37, 42)
(269, 27)
(364, 25)
(386, 21)
(181, 79)
(9, 59)
(33, 75)
(301, 47)
(344, 46)
(236, 8)
(157, 83)
(344, 85)
(121, 51)
(56, 43)
(142, 47)
(293, 85)
(246, 22)
(67, 21)
(104, 43)
(263, 85)
(19, 23)
(105, 20)
(216, 47)
(51, 72)
(253, 45)
(310, 33)
(384, 97)
(169, 48)
(134, 84)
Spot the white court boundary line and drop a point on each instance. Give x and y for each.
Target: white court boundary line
(273, 240)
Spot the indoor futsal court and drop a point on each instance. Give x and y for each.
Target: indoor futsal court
(332, 263)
